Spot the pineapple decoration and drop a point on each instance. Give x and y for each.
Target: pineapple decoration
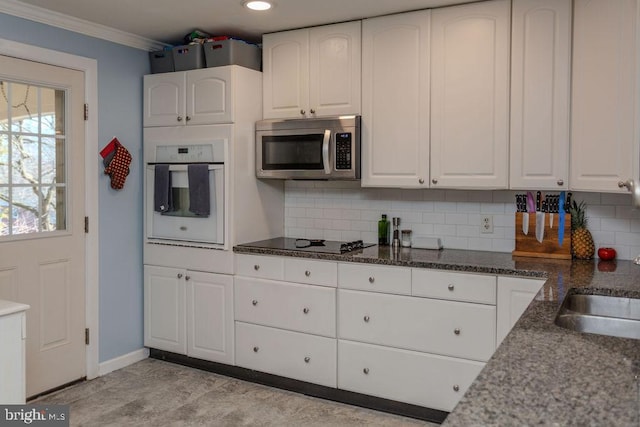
(582, 246)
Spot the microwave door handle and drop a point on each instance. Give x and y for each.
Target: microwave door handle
(325, 151)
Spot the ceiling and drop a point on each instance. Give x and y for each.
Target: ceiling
(168, 21)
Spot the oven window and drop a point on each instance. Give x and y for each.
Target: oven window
(301, 152)
(180, 203)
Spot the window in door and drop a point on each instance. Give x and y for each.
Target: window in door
(33, 184)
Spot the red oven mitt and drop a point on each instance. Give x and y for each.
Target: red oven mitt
(118, 168)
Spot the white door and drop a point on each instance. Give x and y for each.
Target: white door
(42, 238)
(470, 95)
(209, 99)
(164, 99)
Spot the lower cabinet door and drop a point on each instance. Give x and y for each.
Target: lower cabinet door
(210, 316)
(289, 354)
(437, 382)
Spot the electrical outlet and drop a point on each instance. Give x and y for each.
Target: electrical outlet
(486, 224)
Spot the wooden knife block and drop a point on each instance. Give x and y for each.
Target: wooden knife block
(528, 245)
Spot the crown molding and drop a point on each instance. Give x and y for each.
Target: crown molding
(66, 22)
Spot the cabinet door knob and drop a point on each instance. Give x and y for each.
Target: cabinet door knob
(307, 359)
(434, 181)
(456, 387)
(312, 111)
(179, 118)
(183, 228)
(255, 349)
(366, 319)
(366, 371)
(254, 302)
(179, 275)
(187, 277)
(372, 279)
(420, 181)
(560, 182)
(307, 273)
(450, 287)
(256, 267)
(303, 112)
(188, 118)
(456, 331)
(305, 310)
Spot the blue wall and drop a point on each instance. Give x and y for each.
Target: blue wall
(120, 71)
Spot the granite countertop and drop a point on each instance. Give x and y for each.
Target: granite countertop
(541, 374)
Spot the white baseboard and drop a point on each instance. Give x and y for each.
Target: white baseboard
(122, 361)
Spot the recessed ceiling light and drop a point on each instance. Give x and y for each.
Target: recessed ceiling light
(258, 5)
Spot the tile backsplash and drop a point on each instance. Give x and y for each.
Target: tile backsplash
(342, 210)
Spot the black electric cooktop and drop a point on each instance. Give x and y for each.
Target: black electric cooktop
(310, 245)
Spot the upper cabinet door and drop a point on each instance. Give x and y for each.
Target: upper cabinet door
(285, 64)
(540, 88)
(470, 95)
(164, 99)
(334, 69)
(209, 97)
(395, 100)
(604, 125)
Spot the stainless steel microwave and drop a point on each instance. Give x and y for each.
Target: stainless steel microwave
(321, 148)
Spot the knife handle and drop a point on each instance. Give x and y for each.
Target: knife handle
(538, 201)
(567, 204)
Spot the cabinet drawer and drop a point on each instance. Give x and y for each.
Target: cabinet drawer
(393, 280)
(448, 328)
(301, 270)
(454, 286)
(290, 354)
(437, 382)
(264, 267)
(301, 308)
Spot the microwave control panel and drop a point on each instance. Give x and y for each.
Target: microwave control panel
(343, 150)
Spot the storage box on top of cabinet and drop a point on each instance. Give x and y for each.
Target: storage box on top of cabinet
(188, 57)
(161, 61)
(232, 52)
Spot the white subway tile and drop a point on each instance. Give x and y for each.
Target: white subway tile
(451, 242)
(350, 214)
(503, 245)
(445, 207)
(615, 199)
(433, 218)
(341, 224)
(468, 207)
(601, 211)
(614, 224)
(455, 218)
(332, 213)
(476, 244)
(444, 230)
(422, 229)
(468, 231)
(495, 208)
(628, 239)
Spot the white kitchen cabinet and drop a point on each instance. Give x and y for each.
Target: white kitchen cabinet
(423, 379)
(478, 288)
(392, 280)
(514, 296)
(442, 327)
(193, 97)
(13, 329)
(303, 270)
(259, 266)
(540, 94)
(188, 312)
(303, 357)
(312, 72)
(470, 95)
(605, 103)
(293, 306)
(395, 100)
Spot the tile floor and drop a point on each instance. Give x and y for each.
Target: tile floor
(157, 393)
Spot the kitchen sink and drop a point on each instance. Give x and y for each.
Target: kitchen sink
(600, 314)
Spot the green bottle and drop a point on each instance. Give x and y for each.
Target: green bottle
(383, 231)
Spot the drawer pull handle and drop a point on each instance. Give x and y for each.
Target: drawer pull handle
(254, 302)
(307, 359)
(456, 387)
(450, 287)
(305, 310)
(366, 319)
(307, 273)
(456, 331)
(255, 349)
(366, 371)
(256, 267)
(179, 275)
(187, 278)
(372, 279)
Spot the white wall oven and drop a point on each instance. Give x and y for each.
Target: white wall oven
(184, 188)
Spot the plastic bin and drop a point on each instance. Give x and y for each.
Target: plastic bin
(161, 61)
(232, 52)
(188, 57)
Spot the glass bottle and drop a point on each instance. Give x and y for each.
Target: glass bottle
(383, 231)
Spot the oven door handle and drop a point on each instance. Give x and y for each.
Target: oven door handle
(325, 151)
(184, 168)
